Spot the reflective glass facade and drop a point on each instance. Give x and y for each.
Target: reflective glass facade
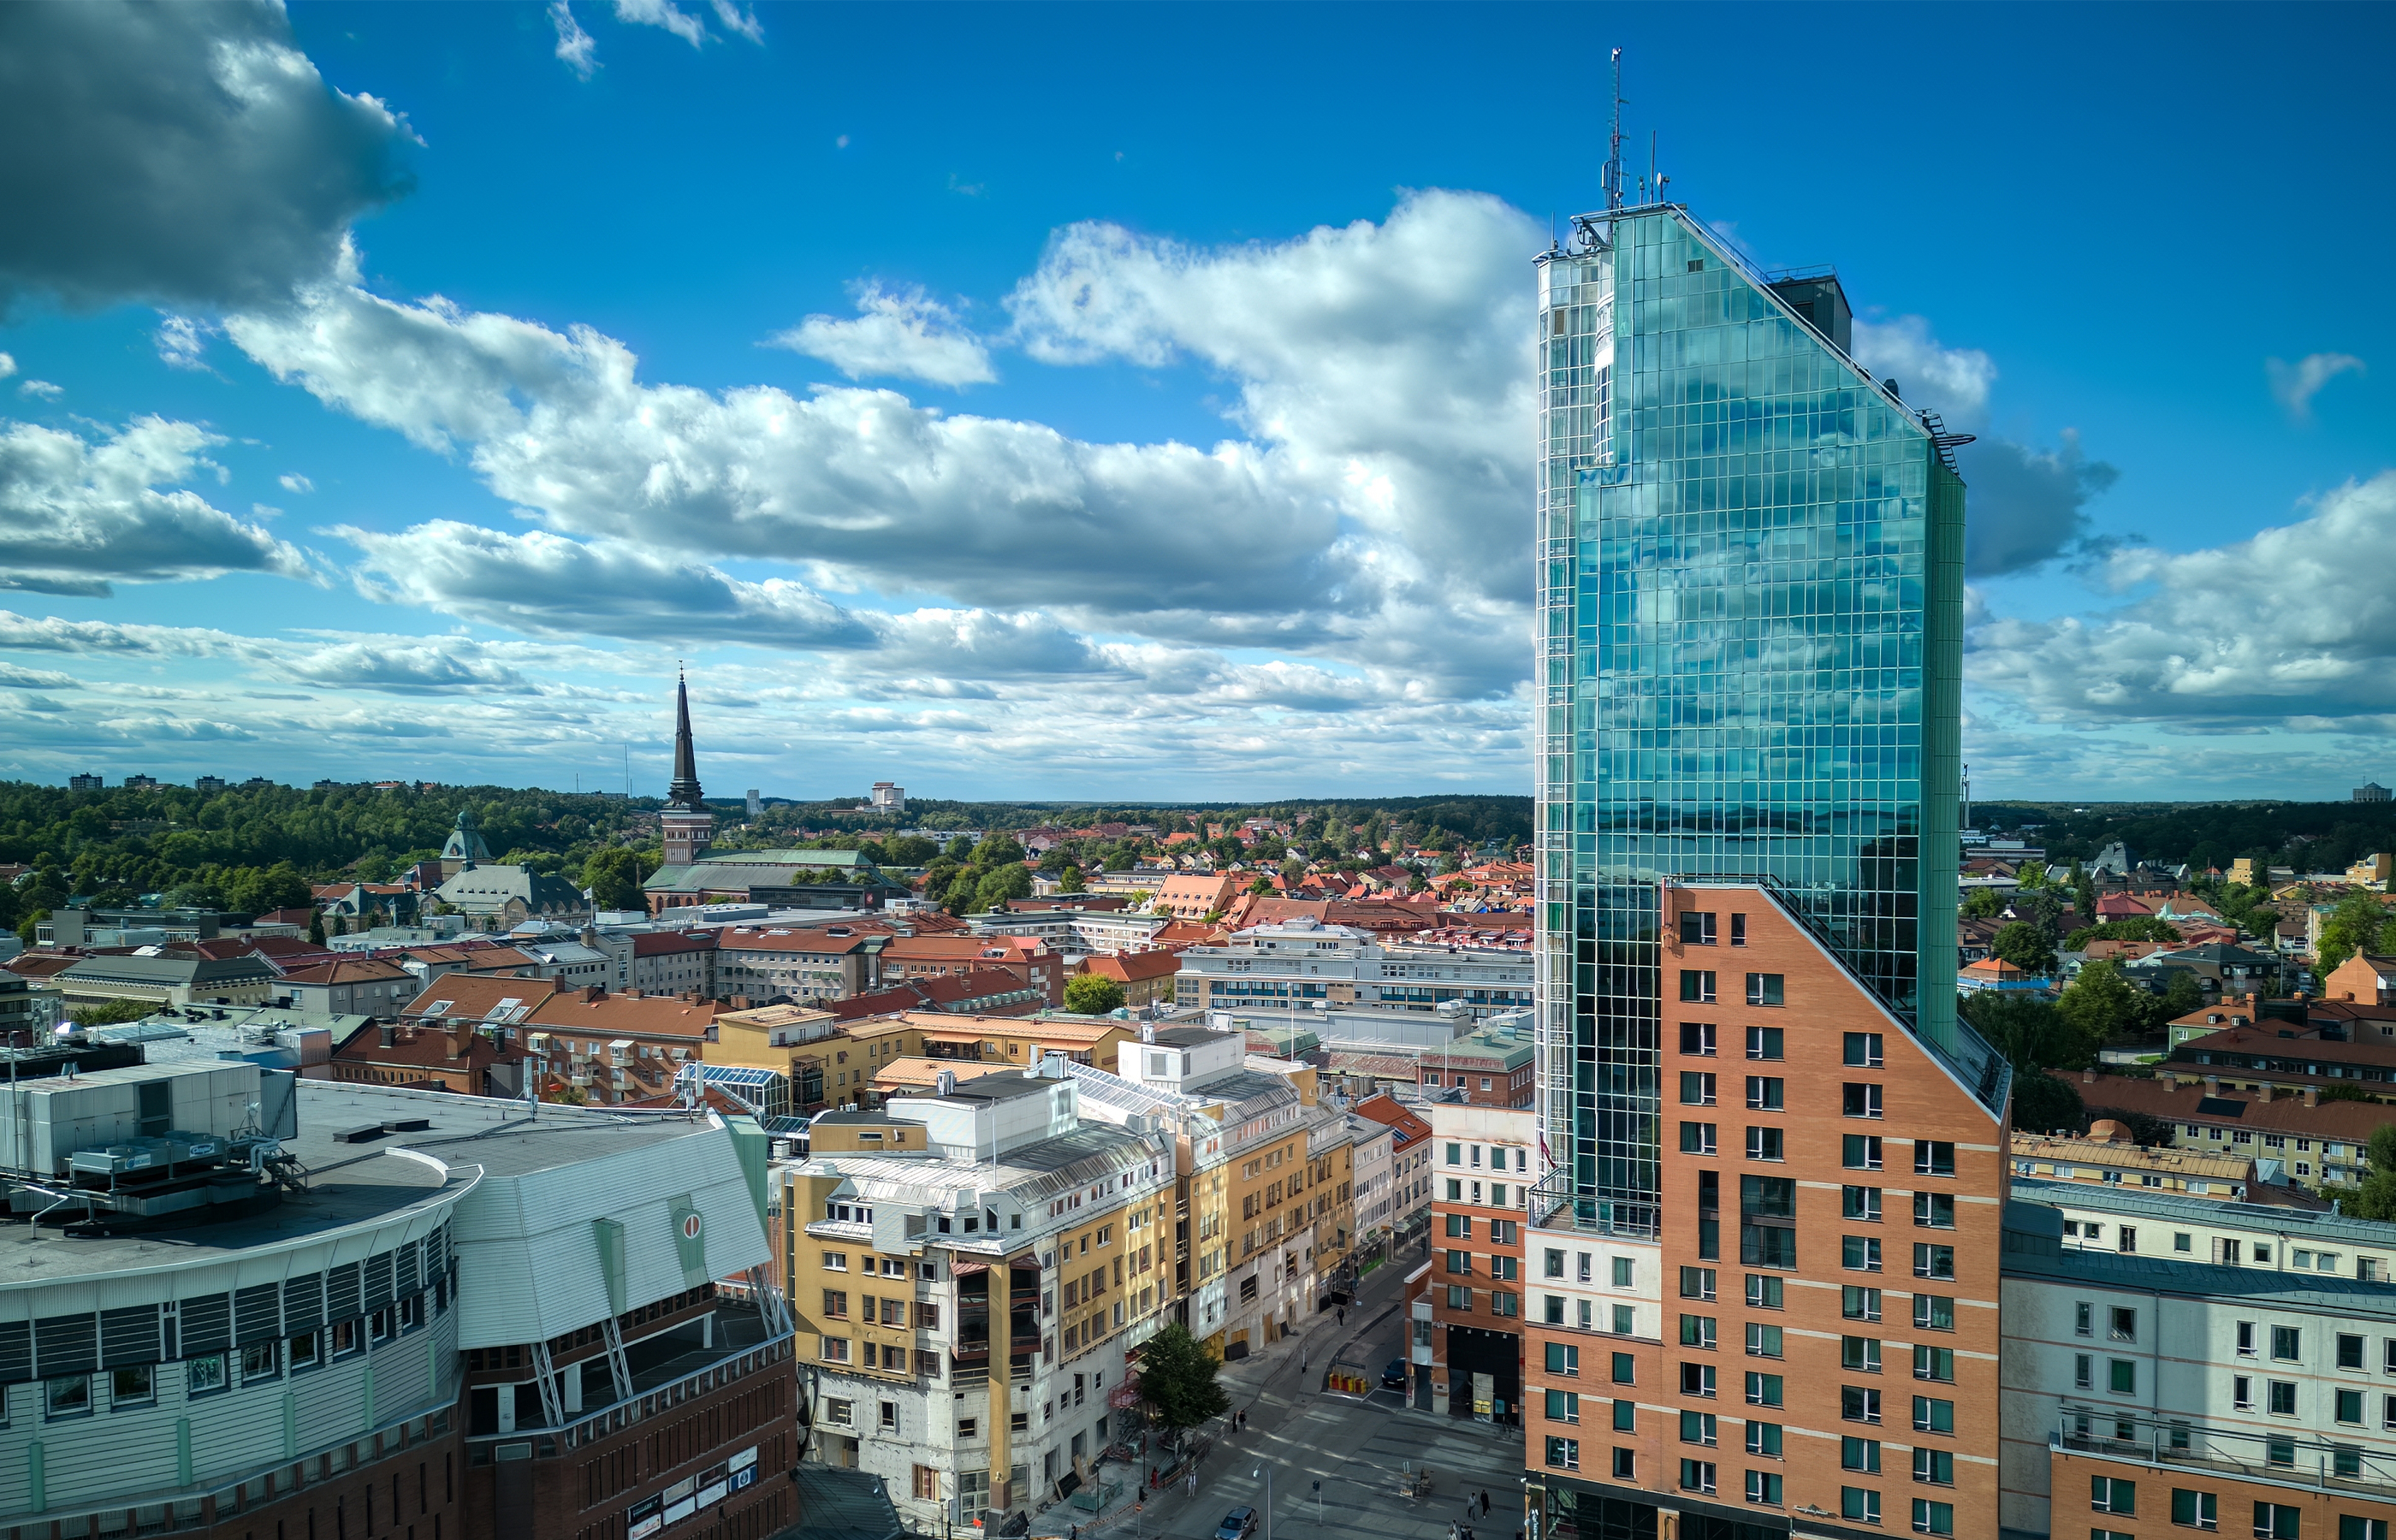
(1751, 597)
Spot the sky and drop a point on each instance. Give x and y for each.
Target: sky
(1127, 403)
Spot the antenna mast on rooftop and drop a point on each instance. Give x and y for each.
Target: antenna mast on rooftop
(1614, 144)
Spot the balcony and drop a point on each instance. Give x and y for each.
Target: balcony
(667, 1369)
(2315, 1466)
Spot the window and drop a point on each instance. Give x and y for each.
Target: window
(1764, 1293)
(1931, 1517)
(1696, 929)
(1626, 1465)
(204, 1376)
(1552, 1265)
(135, 1384)
(1626, 1320)
(1698, 1038)
(1763, 1341)
(307, 1350)
(1859, 1152)
(2122, 1325)
(1934, 1363)
(1765, 1093)
(2241, 1393)
(2111, 1494)
(835, 1304)
(2283, 1397)
(1934, 1312)
(2245, 1339)
(1697, 1379)
(1764, 1043)
(1697, 1283)
(1860, 1504)
(1622, 1269)
(2129, 1233)
(2352, 1526)
(1698, 1427)
(1626, 1417)
(1696, 987)
(1932, 1157)
(837, 1410)
(1763, 988)
(261, 1361)
(1626, 1369)
(2182, 1240)
(967, 1428)
(2084, 1372)
(1763, 1389)
(890, 1418)
(1563, 1359)
(1739, 930)
(1859, 1252)
(1862, 1050)
(1862, 1353)
(1564, 1406)
(2195, 1509)
(1859, 1202)
(1859, 1454)
(1763, 1438)
(1931, 1261)
(1859, 1099)
(2287, 1344)
(1697, 1138)
(1764, 1144)
(1858, 1303)
(1459, 1262)
(1764, 1487)
(1935, 1210)
(1933, 1416)
(2276, 1521)
(1933, 1467)
(1859, 1403)
(2084, 1319)
(68, 1396)
(1563, 1453)
(1459, 1297)
(1697, 1088)
(2350, 1406)
(2122, 1378)
(1697, 1476)
(2350, 1351)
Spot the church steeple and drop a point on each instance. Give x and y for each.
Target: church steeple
(686, 827)
(683, 792)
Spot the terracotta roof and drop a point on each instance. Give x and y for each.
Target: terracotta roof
(908, 1073)
(350, 970)
(963, 949)
(423, 1048)
(596, 1012)
(663, 943)
(2193, 1103)
(936, 990)
(805, 939)
(475, 996)
(33, 965)
(1386, 1110)
(1134, 967)
(284, 917)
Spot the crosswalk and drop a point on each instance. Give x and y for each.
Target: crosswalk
(1359, 1452)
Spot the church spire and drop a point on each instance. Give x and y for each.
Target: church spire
(684, 790)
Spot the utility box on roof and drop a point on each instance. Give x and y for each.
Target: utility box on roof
(44, 1122)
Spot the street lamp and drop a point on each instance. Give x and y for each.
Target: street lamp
(1266, 1471)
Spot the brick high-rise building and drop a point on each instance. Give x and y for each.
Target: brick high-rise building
(1762, 1251)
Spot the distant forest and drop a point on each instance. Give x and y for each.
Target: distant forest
(2308, 836)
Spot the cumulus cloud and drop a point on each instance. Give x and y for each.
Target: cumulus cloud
(182, 343)
(575, 46)
(2027, 506)
(2273, 632)
(76, 514)
(185, 152)
(292, 481)
(7, 366)
(2297, 384)
(436, 666)
(1952, 381)
(1381, 398)
(898, 335)
(40, 390)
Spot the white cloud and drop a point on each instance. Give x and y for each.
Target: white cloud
(182, 342)
(2297, 384)
(292, 481)
(182, 153)
(7, 366)
(898, 336)
(739, 20)
(76, 515)
(575, 46)
(664, 13)
(40, 390)
(1952, 381)
(2276, 631)
(2027, 506)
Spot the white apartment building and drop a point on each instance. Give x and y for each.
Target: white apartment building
(1301, 961)
(1104, 931)
(1375, 1179)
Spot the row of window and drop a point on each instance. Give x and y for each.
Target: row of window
(137, 1385)
(1765, 1488)
(1764, 990)
(2195, 1508)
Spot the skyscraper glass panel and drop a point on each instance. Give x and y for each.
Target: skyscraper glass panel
(1750, 599)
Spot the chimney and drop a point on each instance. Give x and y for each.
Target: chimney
(2213, 1086)
(945, 1082)
(2088, 1077)
(1148, 1031)
(594, 991)
(2264, 1093)
(2312, 1096)
(461, 1038)
(390, 1034)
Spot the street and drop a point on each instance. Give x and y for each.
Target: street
(1355, 1449)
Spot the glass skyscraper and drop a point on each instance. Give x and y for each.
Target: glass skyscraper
(1751, 612)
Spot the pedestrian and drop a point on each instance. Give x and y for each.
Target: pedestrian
(1343, 1315)
(1484, 1505)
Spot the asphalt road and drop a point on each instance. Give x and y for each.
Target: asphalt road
(1357, 1449)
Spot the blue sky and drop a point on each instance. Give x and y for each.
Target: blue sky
(1125, 402)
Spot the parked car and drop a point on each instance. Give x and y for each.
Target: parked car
(1238, 1524)
(1394, 1378)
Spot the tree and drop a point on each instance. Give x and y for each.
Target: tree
(2358, 923)
(2032, 1034)
(258, 892)
(112, 1012)
(614, 876)
(1093, 994)
(1983, 903)
(2144, 927)
(2377, 1198)
(2043, 1103)
(997, 850)
(316, 926)
(1262, 886)
(1177, 1380)
(1071, 880)
(2103, 1004)
(997, 886)
(2026, 947)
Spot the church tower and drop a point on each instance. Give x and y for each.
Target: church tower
(688, 826)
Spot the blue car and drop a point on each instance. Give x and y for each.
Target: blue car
(1238, 1524)
(1394, 1376)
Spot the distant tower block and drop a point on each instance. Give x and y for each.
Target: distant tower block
(686, 823)
(756, 806)
(888, 798)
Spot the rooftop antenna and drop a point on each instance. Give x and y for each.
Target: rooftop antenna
(1652, 182)
(1614, 142)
